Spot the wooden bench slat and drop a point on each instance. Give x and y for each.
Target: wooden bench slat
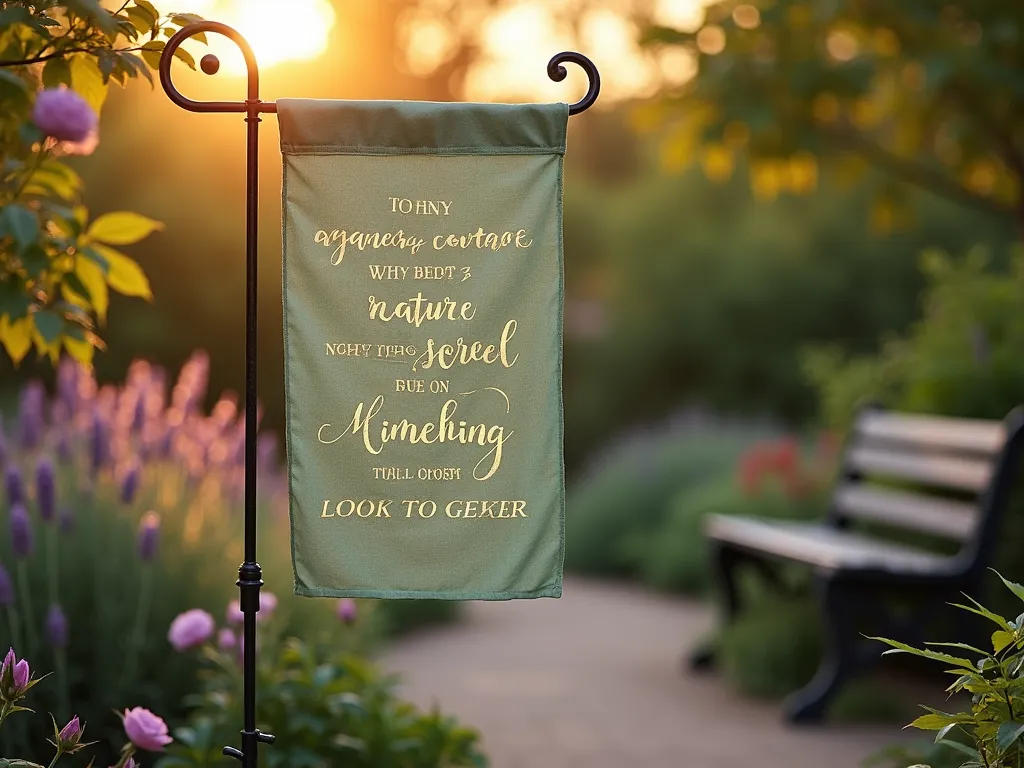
(976, 435)
(941, 471)
(822, 546)
(943, 517)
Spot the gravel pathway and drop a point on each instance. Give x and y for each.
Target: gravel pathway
(593, 680)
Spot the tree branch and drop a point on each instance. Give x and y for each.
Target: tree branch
(914, 173)
(65, 52)
(1009, 150)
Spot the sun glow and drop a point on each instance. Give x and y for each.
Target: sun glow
(296, 30)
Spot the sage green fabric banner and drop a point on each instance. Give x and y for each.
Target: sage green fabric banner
(423, 322)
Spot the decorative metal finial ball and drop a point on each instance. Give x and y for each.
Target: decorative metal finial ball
(210, 64)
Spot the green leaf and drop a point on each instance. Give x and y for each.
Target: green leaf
(20, 224)
(125, 275)
(122, 228)
(87, 80)
(1008, 733)
(1014, 587)
(16, 336)
(898, 647)
(933, 721)
(141, 18)
(57, 72)
(94, 282)
(14, 92)
(184, 19)
(962, 748)
(981, 610)
(1001, 639)
(185, 56)
(151, 52)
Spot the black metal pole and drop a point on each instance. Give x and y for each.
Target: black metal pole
(250, 576)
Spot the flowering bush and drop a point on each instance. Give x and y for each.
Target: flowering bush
(123, 506)
(327, 707)
(56, 62)
(143, 729)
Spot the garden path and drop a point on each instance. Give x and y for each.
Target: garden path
(593, 681)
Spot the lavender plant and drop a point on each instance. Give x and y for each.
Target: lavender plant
(123, 508)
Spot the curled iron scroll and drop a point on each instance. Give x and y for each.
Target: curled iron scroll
(556, 71)
(210, 64)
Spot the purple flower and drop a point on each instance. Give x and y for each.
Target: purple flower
(149, 536)
(190, 629)
(64, 115)
(46, 490)
(21, 531)
(146, 730)
(226, 639)
(347, 610)
(6, 588)
(130, 763)
(14, 485)
(67, 519)
(15, 677)
(98, 444)
(268, 603)
(234, 613)
(31, 421)
(69, 735)
(56, 627)
(130, 483)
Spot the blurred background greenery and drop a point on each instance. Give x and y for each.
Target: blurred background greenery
(775, 210)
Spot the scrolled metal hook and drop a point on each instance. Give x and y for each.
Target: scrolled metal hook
(557, 72)
(210, 64)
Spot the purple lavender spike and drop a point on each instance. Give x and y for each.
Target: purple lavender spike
(6, 588)
(31, 421)
(130, 483)
(56, 627)
(14, 485)
(21, 532)
(46, 490)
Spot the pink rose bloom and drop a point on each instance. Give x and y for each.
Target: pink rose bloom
(268, 603)
(64, 115)
(145, 730)
(190, 629)
(347, 610)
(234, 613)
(226, 639)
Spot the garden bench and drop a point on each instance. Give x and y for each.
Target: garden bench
(939, 479)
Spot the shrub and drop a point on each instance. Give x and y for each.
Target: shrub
(327, 707)
(125, 510)
(773, 647)
(773, 478)
(626, 492)
(962, 358)
(989, 733)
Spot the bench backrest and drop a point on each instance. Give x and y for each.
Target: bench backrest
(940, 476)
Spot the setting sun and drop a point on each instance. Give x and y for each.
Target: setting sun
(298, 30)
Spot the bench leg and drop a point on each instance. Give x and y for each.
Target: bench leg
(838, 607)
(724, 560)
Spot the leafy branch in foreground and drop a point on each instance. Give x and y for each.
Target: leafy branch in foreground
(57, 267)
(994, 725)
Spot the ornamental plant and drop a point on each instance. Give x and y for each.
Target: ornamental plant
(988, 733)
(327, 706)
(143, 729)
(58, 264)
(121, 508)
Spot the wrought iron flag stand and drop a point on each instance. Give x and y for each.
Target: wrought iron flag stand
(250, 577)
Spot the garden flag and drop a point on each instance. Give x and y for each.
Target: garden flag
(422, 329)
